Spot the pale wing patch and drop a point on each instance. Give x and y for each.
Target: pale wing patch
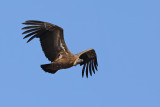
(61, 45)
(60, 56)
(77, 61)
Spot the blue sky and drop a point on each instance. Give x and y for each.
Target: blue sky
(124, 33)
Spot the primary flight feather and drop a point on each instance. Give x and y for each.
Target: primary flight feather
(55, 49)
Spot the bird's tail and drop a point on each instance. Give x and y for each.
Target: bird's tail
(48, 68)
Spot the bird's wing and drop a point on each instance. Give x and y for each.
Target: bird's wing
(51, 37)
(89, 63)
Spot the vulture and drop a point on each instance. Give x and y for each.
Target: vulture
(55, 49)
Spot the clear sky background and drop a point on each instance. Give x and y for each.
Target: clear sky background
(124, 33)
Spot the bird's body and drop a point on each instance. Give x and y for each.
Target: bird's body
(55, 49)
(65, 61)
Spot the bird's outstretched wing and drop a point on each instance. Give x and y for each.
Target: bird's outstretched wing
(89, 61)
(51, 37)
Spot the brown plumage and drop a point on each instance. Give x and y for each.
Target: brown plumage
(55, 49)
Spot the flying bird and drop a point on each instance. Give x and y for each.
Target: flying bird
(55, 49)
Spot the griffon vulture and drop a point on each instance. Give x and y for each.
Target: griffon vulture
(55, 49)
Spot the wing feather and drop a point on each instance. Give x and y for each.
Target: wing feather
(90, 70)
(29, 27)
(31, 38)
(83, 69)
(30, 34)
(30, 30)
(93, 67)
(87, 71)
(34, 21)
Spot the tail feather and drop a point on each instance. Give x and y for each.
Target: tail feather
(48, 68)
